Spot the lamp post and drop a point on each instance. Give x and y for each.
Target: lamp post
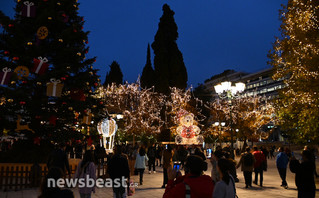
(220, 125)
(225, 90)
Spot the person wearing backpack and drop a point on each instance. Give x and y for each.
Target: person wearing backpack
(246, 162)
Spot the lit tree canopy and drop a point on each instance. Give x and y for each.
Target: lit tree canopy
(246, 114)
(141, 107)
(295, 57)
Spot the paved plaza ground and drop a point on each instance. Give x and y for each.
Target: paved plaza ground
(152, 186)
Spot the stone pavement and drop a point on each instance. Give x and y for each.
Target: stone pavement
(153, 182)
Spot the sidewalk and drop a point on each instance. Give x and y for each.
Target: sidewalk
(151, 187)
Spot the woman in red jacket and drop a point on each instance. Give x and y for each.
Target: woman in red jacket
(193, 184)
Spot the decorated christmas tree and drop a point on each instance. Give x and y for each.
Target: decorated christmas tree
(47, 82)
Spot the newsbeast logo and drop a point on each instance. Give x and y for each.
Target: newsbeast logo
(89, 183)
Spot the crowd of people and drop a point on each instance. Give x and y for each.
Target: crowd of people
(193, 162)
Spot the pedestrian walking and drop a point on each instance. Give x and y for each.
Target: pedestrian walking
(313, 158)
(271, 152)
(225, 188)
(260, 159)
(214, 159)
(246, 162)
(281, 163)
(140, 163)
(167, 162)
(118, 168)
(193, 184)
(159, 153)
(47, 191)
(58, 158)
(305, 180)
(200, 153)
(151, 154)
(86, 169)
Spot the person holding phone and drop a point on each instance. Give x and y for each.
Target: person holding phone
(194, 183)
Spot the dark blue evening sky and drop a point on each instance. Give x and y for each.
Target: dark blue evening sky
(214, 35)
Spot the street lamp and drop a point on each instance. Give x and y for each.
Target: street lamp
(225, 90)
(220, 125)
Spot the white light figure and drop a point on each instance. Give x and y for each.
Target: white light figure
(107, 128)
(187, 132)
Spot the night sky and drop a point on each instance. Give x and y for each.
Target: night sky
(214, 35)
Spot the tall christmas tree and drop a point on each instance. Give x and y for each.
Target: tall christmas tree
(148, 76)
(169, 65)
(47, 83)
(295, 58)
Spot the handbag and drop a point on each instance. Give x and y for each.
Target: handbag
(131, 188)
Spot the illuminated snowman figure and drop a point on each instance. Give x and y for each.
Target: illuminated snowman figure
(107, 128)
(187, 132)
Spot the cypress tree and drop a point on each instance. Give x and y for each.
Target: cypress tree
(147, 78)
(169, 66)
(115, 75)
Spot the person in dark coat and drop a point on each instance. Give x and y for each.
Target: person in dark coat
(47, 191)
(305, 180)
(117, 169)
(58, 158)
(151, 154)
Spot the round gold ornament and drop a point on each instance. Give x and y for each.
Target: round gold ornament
(42, 32)
(22, 71)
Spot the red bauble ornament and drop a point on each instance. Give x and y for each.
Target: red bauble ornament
(101, 102)
(6, 52)
(95, 84)
(22, 102)
(10, 25)
(24, 82)
(15, 58)
(63, 78)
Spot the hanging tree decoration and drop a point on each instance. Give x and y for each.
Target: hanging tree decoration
(5, 76)
(54, 88)
(22, 72)
(42, 32)
(28, 9)
(40, 65)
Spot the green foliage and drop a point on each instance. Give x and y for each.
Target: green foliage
(148, 76)
(295, 58)
(115, 75)
(65, 48)
(169, 65)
